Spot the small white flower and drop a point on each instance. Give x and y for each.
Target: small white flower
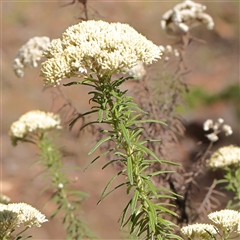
(169, 49)
(162, 48)
(220, 120)
(166, 59)
(227, 129)
(212, 137)
(208, 124)
(176, 53)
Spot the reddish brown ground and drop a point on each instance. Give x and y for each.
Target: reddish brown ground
(214, 67)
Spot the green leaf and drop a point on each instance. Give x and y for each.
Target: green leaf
(170, 163)
(149, 121)
(72, 83)
(104, 194)
(123, 214)
(146, 150)
(100, 115)
(165, 210)
(55, 212)
(99, 143)
(85, 125)
(125, 133)
(152, 188)
(159, 172)
(151, 221)
(134, 221)
(79, 116)
(95, 159)
(134, 200)
(112, 161)
(130, 170)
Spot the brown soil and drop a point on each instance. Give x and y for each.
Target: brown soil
(214, 66)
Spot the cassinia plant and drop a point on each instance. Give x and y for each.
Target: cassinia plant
(33, 127)
(94, 51)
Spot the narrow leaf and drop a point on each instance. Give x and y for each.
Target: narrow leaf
(130, 170)
(99, 143)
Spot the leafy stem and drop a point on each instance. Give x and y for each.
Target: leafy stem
(121, 114)
(68, 200)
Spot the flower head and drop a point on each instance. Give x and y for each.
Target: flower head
(186, 15)
(224, 157)
(15, 214)
(29, 54)
(225, 219)
(199, 231)
(215, 127)
(104, 48)
(33, 122)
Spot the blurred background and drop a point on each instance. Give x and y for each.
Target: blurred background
(213, 80)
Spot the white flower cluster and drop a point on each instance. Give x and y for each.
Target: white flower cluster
(186, 15)
(29, 54)
(199, 231)
(104, 48)
(169, 51)
(137, 71)
(33, 122)
(226, 219)
(224, 157)
(15, 214)
(215, 126)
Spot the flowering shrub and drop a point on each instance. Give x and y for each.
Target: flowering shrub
(98, 54)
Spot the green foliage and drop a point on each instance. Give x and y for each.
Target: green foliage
(197, 96)
(231, 182)
(68, 200)
(143, 213)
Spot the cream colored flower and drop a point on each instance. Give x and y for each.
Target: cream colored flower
(15, 214)
(226, 219)
(227, 129)
(103, 48)
(208, 124)
(199, 231)
(33, 122)
(186, 15)
(224, 157)
(8, 219)
(212, 137)
(29, 54)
